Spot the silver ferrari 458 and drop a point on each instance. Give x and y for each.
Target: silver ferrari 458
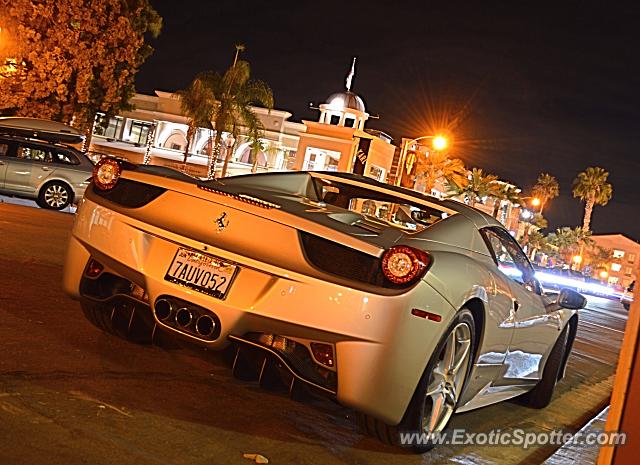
(402, 306)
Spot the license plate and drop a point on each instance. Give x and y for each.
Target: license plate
(201, 272)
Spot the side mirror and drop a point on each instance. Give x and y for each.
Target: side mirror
(571, 300)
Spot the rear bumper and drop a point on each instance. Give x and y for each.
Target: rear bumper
(380, 349)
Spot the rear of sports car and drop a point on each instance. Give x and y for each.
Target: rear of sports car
(298, 286)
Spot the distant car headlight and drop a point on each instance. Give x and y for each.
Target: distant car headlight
(106, 173)
(403, 265)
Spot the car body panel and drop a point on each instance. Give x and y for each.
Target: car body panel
(25, 176)
(381, 347)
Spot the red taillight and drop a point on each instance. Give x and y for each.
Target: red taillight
(106, 173)
(403, 265)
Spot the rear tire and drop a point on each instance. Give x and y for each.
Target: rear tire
(447, 386)
(540, 396)
(55, 195)
(124, 320)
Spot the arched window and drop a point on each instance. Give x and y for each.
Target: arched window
(177, 140)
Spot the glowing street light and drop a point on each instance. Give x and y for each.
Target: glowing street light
(604, 274)
(526, 214)
(438, 143)
(536, 202)
(577, 259)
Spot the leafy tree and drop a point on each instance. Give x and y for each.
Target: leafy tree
(72, 58)
(478, 186)
(437, 165)
(197, 104)
(235, 93)
(591, 186)
(547, 188)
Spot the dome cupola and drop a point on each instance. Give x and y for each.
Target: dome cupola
(344, 100)
(345, 108)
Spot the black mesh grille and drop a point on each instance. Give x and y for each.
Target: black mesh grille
(130, 194)
(339, 260)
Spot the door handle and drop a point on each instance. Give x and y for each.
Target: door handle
(46, 168)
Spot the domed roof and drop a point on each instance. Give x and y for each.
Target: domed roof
(346, 99)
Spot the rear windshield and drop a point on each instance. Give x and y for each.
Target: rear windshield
(380, 207)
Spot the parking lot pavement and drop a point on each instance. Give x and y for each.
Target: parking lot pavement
(30, 203)
(71, 394)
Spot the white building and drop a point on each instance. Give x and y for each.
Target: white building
(157, 120)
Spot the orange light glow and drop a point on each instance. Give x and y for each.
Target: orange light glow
(440, 142)
(535, 201)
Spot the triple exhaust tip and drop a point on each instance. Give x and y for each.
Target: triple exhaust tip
(183, 317)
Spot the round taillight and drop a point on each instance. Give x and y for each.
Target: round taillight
(403, 265)
(106, 173)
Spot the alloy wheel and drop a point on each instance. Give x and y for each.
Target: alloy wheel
(447, 379)
(56, 196)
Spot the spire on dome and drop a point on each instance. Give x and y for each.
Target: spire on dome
(351, 74)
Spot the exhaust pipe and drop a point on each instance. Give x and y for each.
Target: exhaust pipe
(163, 309)
(205, 326)
(184, 317)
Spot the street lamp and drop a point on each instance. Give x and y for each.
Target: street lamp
(577, 260)
(438, 143)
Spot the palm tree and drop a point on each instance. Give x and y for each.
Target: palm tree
(235, 93)
(477, 186)
(546, 188)
(570, 241)
(536, 241)
(506, 192)
(539, 221)
(591, 186)
(437, 165)
(197, 103)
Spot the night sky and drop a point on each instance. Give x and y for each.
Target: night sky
(522, 88)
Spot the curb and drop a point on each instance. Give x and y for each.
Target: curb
(572, 453)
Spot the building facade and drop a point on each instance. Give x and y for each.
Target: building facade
(157, 124)
(625, 258)
(338, 141)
